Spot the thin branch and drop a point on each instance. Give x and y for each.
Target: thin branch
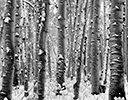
(30, 4)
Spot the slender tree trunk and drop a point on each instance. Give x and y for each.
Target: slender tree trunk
(17, 43)
(106, 62)
(94, 49)
(89, 38)
(61, 45)
(84, 59)
(49, 59)
(42, 52)
(2, 43)
(78, 29)
(100, 55)
(126, 39)
(70, 33)
(80, 57)
(37, 70)
(24, 48)
(105, 47)
(116, 88)
(29, 34)
(79, 67)
(36, 38)
(6, 90)
(72, 52)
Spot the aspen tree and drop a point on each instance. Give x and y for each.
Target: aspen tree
(61, 45)
(49, 59)
(116, 88)
(42, 46)
(126, 38)
(89, 38)
(80, 56)
(7, 82)
(17, 42)
(94, 48)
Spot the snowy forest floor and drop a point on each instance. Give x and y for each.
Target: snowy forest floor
(68, 94)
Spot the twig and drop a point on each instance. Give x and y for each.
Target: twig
(30, 4)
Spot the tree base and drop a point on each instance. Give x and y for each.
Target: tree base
(102, 89)
(26, 94)
(3, 96)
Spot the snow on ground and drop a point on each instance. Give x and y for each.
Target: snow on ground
(18, 94)
(85, 93)
(50, 91)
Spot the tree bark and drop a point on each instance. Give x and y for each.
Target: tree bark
(80, 56)
(72, 51)
(42, 41)
(89, 39)
(94, 48)
(6, 90)
(49, 59)
(17, 42)
(116, 88)
(24, 48)
(126, 39)
(61, 44)
(70, 34)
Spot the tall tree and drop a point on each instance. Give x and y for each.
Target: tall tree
(24, 47)
(6, 90)
(89, 38)
(17, 44)
(36, 37)
(61, 44)
(105, 48)
(80, 56)
(94, 48)
(42, 41)
(126, 38)
(116, 59)
(69, 12)
(72, 50)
